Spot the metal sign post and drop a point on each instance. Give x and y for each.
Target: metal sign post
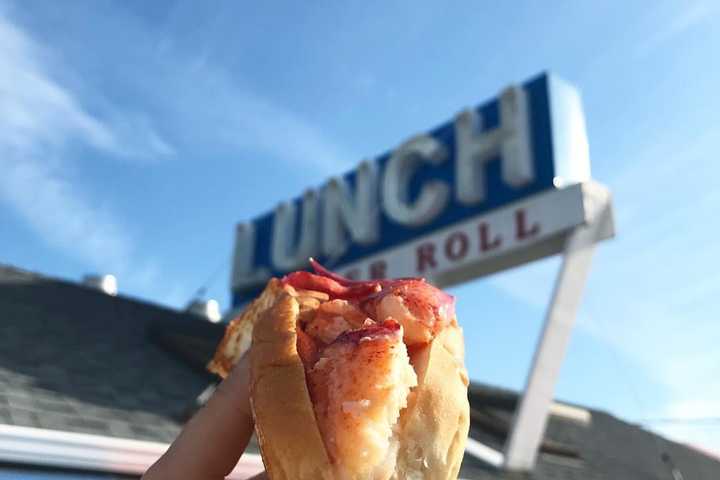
(530, 418)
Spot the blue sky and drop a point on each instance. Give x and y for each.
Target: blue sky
(134, 135)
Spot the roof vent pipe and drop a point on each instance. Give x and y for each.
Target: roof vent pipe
(104, 283)
(208, 309)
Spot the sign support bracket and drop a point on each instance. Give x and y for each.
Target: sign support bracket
(530, 419)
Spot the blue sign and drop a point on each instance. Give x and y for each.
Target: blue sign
(529, 139)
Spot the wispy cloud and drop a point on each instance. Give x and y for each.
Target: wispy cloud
(137, 138)
(60, 214)
(31, 102)
(244, 121)
(37, 111)
(261, 124)
(43, 119)
(680, 20)
(218, 108)
(39, 120)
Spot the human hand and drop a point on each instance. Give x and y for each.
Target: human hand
(211, 443)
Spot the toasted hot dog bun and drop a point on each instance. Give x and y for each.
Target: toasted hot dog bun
(365, 407)
(239, 332)
(285, 422)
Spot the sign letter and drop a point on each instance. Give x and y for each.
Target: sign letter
(243, 274)
(425, 257)
(485, 243)
(522, 231)
(475, 147)
(456, 246)
(395, 185)
(378, 270)
(284, 256)
(357, 214)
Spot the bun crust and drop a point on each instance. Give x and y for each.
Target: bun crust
(285, 424)
(432, 429)
(435, 424)
(238, 335)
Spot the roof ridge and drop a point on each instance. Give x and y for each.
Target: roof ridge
(490, 389)
(32, 275)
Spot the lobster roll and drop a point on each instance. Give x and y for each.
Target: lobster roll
(353, 379)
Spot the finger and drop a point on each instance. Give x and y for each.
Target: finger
(211, 443)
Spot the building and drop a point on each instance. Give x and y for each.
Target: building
(96, 386)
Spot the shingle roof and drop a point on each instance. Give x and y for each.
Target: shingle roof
(75, 359)
(606, 448)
